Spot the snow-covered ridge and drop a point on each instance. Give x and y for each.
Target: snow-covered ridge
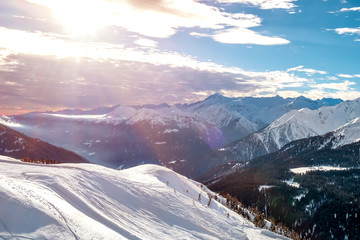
(162, 116)
(87, 201)
(348, 133)
(322, 120)
(304, 123)
(244, 114)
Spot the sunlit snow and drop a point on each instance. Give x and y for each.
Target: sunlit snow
(85, 201)
(262, 187)
(303, 170)
(292, 183)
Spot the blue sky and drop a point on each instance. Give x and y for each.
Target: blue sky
(58, 54)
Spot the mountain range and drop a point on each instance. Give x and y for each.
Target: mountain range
(176, 136)
(341, 120)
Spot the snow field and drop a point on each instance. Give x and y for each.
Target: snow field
(85, 201)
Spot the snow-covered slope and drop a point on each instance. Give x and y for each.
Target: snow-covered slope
(299, 124)
(346, 134)
(86, 201)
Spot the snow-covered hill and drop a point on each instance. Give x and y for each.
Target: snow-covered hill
(85, 201)
(341, 119)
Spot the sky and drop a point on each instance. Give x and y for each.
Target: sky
(57, 54)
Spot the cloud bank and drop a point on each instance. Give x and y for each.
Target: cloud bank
(55, 72)
(163, 19)
(51, 71)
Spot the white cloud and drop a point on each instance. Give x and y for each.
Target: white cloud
(196, 34)
(332, 78)
(345, 75)
(246, 36)
(204, 93)
(160, 18)
(308, 71)
(289, 94)
(10, 83)
(347, 31)
(325, 90)
(265, 4)
(342, 86)
(146, 42)
(349, 75)
(54, 45)
(350, 9)
(350, 31)
(321, 93)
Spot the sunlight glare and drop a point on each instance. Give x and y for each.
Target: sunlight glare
(81, 18)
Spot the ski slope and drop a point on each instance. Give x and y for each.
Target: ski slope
(85, 201)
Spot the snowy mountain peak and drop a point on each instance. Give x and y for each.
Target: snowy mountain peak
(293, 115)
(122, 113)
(216, 97)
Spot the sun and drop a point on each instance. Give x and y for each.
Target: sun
(81, 18)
